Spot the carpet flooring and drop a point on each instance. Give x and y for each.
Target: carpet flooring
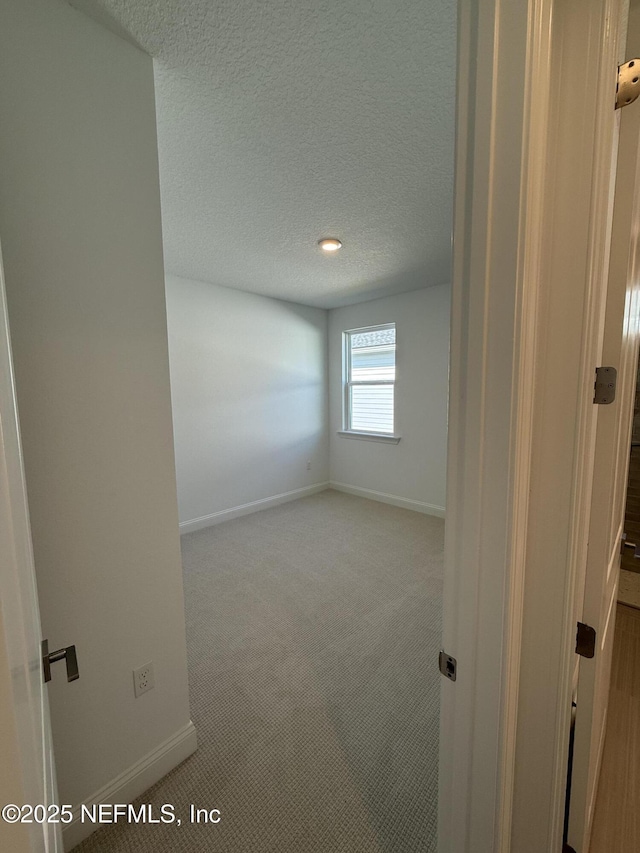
(313, 632)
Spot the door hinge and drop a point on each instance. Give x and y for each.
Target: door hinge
(448, 666)
(586, 641)
(628, 85)
(605, 386)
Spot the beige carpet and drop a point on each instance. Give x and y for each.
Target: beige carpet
(313, 631)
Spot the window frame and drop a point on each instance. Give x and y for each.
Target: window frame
(347, 431)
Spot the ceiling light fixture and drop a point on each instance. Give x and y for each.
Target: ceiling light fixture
(330, 244)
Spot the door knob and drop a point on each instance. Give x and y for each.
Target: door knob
(68, 654)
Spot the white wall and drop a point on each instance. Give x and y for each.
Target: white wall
(81, 237)
(250, 403)
(415, 469)
(250, 389)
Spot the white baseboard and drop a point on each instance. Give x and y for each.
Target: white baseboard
(134, 781)
(246, 509)
(395, 500)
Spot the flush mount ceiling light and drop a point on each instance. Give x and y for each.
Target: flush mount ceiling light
(330, 244)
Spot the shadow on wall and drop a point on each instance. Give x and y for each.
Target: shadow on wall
(404, 281)
(249, 379)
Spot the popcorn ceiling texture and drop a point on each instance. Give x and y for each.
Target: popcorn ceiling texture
(285, 121)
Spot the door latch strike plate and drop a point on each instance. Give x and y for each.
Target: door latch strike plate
(605, 387)
(448, 666)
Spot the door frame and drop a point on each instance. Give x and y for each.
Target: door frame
(504, 83)
(535, 170)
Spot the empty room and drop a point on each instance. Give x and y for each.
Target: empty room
(242, 607)
(232, 367)
(312, 552)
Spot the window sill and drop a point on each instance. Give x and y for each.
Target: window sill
(369, 436)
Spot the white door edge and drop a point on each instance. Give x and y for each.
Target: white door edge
(29, 740)
(620, 349)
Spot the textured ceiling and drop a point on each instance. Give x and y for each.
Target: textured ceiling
(284, 121)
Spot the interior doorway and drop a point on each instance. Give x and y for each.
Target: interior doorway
(504, 85)
(310, 471)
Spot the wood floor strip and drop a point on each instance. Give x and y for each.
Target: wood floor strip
(616, 823)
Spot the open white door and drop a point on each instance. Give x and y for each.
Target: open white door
(25, 736)
(612, 445)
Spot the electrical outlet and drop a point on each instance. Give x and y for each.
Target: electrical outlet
(143, 679)
(309, 465)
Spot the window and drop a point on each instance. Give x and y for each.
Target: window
(369, 379)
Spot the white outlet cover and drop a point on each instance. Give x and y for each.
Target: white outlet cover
(144, 679)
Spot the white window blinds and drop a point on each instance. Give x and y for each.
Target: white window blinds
(370, 372)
